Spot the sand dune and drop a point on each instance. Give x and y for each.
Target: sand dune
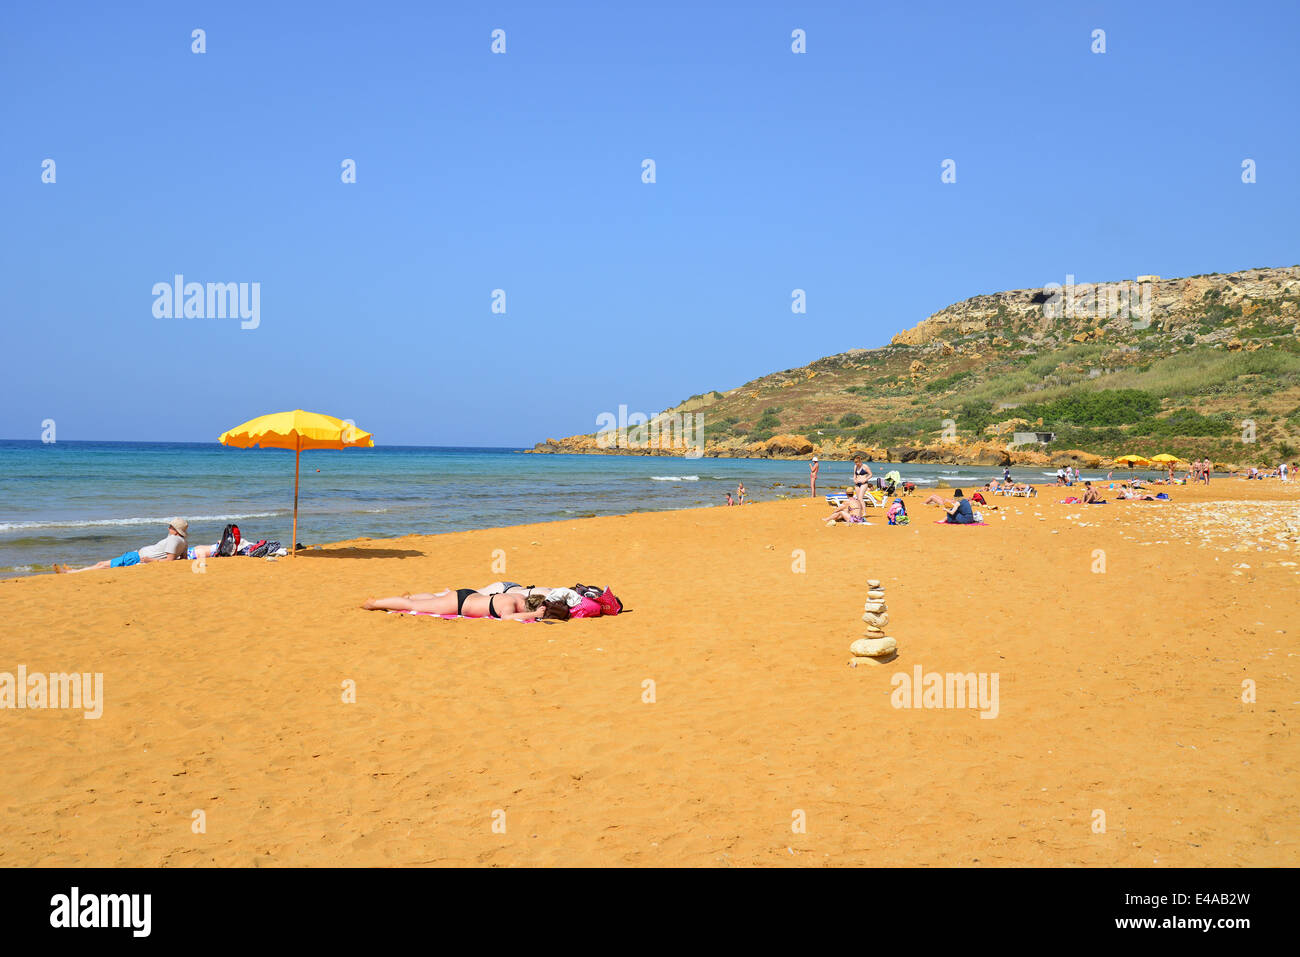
(1120, 692)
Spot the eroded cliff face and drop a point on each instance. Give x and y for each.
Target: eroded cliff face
(926, 373)
(1095, 310)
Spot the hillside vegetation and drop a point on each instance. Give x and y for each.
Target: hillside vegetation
(1210, 368)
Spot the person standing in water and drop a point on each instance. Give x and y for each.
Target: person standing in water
(812, 469)
(740, 493)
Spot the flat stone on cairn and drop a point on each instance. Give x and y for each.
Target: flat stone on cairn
(876, 647)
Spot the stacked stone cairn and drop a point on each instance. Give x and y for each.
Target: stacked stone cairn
(876, 648)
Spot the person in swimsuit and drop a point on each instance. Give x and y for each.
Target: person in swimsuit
(740, 494)
(813, 470)
(861, 476)
(852, 512)
(469, 603)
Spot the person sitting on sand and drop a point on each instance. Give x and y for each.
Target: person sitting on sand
(852, 512)
(1092, 496)
(468, 603)
(168, 549)
(959, 513)
(729, 499)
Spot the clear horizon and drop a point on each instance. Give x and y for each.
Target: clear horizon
(522, 171)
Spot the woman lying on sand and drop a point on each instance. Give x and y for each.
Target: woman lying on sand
(468, 603)
(1135, 496)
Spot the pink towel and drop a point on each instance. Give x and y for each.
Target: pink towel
(429, 614)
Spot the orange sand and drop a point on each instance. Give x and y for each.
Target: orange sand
(1119, 692)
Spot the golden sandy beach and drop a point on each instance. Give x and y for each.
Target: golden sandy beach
(1119, 692)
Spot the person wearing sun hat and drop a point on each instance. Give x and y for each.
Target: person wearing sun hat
(170, 548)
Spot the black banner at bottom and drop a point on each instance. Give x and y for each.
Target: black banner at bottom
(301, 906)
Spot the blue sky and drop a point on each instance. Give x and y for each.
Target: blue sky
(522, 172)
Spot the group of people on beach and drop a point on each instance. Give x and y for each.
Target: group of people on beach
(174, 546)
(862, 477)
(1281, 471)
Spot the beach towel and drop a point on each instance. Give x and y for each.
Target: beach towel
(959, 524)
(429, 614)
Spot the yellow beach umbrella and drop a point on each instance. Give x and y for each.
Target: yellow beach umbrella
(1130, 460)
(1166, 457)
(296, 430)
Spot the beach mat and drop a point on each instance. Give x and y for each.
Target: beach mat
(942, 522)
(429, 614)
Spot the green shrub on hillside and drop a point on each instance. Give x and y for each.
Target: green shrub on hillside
(943, 385)
(1187, 422)
(1106, 407)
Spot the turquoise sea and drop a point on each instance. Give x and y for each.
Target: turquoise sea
(79, 502)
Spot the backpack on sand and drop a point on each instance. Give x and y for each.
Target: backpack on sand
(229, 543)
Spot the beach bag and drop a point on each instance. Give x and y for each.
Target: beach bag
(586, 608)
(262, 549)
(229, 543)
(609, 603)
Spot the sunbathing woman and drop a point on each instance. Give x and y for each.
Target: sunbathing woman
(852, 512)
(1135, 496)
(470, 604)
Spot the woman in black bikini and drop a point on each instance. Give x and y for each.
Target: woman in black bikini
(861, 476)
(470, 604)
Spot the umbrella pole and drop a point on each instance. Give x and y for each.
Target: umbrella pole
(297, 457)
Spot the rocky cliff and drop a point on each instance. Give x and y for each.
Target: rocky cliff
(1203, 365)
